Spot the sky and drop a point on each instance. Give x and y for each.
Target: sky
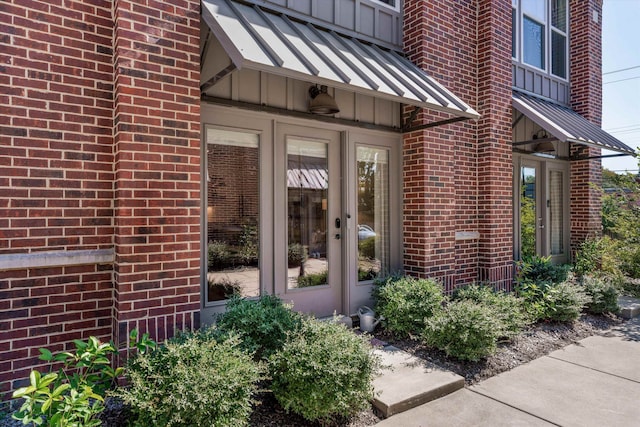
(621, 99)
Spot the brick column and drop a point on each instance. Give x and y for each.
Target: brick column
(495, 168)
(439, 171)
(157, 172)
(56, 179)
(585, 53)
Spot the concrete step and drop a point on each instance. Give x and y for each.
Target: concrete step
(629, 307)
(407, 381)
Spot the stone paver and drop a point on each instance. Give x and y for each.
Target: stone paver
(410, 381)
(463, 408)
(629, 307)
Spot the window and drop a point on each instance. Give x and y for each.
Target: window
(540, 34)
(233, 213)
(373, 212)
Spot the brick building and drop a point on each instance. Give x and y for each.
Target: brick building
(157, 155)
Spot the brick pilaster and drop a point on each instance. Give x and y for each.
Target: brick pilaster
(585, 53)
(495, 168)
(157, 172)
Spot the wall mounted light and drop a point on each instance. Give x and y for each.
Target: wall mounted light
(321, 101)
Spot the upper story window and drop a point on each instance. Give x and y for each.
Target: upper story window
(391, 3)
(539, 30)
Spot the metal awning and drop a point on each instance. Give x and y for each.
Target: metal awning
(566, 125)
(258, 39)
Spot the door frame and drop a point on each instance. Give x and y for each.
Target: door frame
(322, 300)
(272, 261)
(543, 167)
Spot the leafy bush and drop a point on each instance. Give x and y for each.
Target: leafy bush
(367, 247)
(465, 329)
(192, 382)
(538, 269)
(263, 323)
(323, 371)
(564, 302)
(604, 295)
(223, 289)
(74, 396)
(508, 310)
(561, 302)
(312, 279)
(588, 257)
(218, 254)
(248, 241)
(405, 303)
(296, 255)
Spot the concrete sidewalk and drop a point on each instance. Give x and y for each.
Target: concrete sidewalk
(593, 383)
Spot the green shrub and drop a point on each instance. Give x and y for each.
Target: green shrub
(248, 241)
(538, 270)
(405, 303)
(296, 255)
(262, 323)
(564, 302)
(192, 382)
(604, 295)
(464, 329)
(508, 310)
(218, 254)
(323, 371)
(312, 279)
(367, 248)
(561, 302)
(74, 395)
(588, 257)
(223, 289)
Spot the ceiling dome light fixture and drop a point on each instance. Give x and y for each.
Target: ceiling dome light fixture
(321, 101)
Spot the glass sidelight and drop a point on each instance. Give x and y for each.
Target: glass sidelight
(373, 212)
(528, 212)
(233, 213)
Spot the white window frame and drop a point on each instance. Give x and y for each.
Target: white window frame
(395, 6)
(549, 30)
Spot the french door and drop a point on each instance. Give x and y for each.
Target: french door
(541, 197)
(309, 219)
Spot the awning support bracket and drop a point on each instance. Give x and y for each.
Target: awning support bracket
(606, 156)
(217, 77)
(435, 124)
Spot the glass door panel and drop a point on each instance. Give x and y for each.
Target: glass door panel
(307, 204)
(373, 212)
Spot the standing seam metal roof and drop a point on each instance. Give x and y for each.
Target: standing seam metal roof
(565, 124)
(255, 38)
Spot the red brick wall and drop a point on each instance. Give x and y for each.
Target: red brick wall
(97, 157)
(56, 174)
(157, 166)
(458, 177)
(586, 98)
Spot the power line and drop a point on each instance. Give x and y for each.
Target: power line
(621, 70)
(621, 80)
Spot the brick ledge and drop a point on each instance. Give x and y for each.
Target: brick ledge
(56, 259)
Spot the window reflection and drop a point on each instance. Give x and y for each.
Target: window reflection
(307, 202)
(528, 213)
(233, 213)
(373, 212)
